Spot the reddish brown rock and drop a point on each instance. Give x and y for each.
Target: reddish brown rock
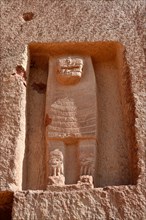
(112, 34)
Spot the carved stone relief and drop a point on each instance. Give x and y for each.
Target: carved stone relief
(69, 70)
(70, 104)
(87, 164)
(71, 107)
(56, 169)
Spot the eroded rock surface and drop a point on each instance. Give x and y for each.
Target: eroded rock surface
(100, 29)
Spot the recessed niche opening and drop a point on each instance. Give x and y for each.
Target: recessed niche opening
(116, 148)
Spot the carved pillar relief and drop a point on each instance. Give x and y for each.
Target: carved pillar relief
(71, 115)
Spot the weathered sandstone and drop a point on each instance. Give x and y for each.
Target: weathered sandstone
(92, 165)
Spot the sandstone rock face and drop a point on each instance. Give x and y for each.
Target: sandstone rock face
(106, 203)
(72, 100)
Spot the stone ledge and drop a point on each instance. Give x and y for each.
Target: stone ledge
(80, 204)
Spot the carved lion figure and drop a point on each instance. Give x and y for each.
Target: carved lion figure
(87, 164)
(56, 163)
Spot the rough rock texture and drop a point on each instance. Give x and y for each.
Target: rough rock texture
(31, 21)
(107, 203)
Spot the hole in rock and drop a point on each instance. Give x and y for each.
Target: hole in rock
(28, 16)
(21, 71)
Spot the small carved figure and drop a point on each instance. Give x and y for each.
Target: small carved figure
(86, 179)
(69, 70)
(87, 164)
(56, 163)
(56, 171)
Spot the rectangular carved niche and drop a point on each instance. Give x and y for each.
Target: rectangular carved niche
(80, 116)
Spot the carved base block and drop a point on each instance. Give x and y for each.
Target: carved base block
(86, 179)
(56, 180)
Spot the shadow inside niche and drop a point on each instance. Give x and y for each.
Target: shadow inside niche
(6, 202)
